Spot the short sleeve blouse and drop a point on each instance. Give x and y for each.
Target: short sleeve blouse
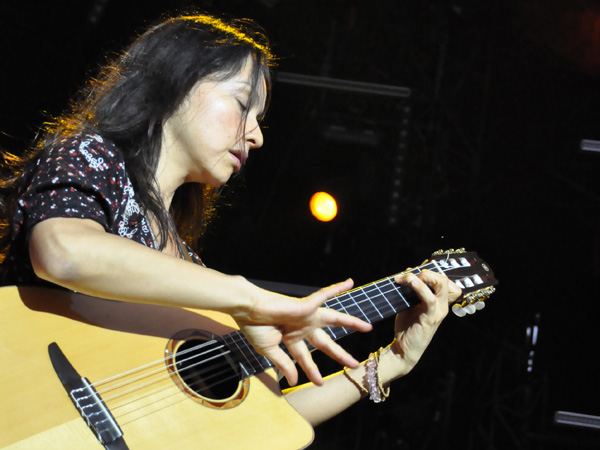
(82, 177)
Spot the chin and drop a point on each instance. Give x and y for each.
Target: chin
(213, 180)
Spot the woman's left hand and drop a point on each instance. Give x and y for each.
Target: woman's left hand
(415, 327)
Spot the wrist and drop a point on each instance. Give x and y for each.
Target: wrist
(245, 297)
(393, 363)
(229, 294)
(374, 375)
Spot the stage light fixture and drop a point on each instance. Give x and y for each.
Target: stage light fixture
(323, 206)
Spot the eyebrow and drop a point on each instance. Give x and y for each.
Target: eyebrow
(252, 98)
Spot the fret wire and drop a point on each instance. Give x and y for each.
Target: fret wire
(382, 296)
(232, 339)
(262, 361)
(362, 301)
(370, 298)
(438, 267)
(329, 305)
(384, 289)
(356, 304)
(361, 297)
(336, 299)
(257, 356)
(388, 283)
(395, 287)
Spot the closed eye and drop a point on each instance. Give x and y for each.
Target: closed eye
(243, 106)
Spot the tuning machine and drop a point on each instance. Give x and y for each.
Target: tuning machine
(472, 302)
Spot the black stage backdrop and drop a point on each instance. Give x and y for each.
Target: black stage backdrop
(482, 152)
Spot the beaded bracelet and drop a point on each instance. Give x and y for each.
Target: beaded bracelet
(375, 390)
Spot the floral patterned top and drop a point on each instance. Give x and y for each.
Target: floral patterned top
(82, 177)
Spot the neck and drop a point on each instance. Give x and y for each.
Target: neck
(168, 176)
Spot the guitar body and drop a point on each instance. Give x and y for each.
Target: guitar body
(103, 339)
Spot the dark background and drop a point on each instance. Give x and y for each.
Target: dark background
(484, 154)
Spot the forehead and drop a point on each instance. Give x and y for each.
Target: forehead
(250, 80)
(250, 76)
(245, 81)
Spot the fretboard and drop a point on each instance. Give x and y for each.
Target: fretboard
(372, 302)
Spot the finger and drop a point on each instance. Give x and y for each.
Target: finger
(442, 286)
(331, 318)
(288, 309)
(284, 363)
(454, 292)
(425, 286)
(302, 356)
(323, 342)
(436, 281)
(326, 293)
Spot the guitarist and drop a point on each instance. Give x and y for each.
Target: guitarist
(112, 197)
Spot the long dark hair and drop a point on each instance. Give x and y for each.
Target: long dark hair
(132, 98)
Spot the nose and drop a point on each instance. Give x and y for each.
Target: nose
(254, 137)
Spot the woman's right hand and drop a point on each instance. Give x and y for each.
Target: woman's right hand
(273, 319)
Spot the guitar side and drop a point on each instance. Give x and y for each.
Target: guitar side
(103, 338)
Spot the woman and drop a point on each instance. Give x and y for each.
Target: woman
(138, 160)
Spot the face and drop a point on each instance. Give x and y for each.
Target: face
(210, 136)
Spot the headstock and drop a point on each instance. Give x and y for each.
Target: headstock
(471, 273)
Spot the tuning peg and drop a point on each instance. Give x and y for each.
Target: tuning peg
(479, 305)
(470, 308)
(458, 310)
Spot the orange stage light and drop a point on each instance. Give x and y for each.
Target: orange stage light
(323, 206)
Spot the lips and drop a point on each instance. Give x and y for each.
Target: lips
(240, 157)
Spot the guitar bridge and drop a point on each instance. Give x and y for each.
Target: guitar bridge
(95, 413)
(87, 401)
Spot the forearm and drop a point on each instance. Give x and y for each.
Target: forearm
(80, 257)
(320, 403)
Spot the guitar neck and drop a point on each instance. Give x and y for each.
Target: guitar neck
(375, 301)
(384, 298)
(372, 302)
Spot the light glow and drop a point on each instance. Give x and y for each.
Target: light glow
(323, 206)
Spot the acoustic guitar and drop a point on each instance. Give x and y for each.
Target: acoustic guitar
(85, 373)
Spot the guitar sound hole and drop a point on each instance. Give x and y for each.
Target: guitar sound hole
(206, 368)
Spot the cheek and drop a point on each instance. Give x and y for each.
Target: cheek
(226, 118)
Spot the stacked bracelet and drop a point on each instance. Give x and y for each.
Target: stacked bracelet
(375, 390)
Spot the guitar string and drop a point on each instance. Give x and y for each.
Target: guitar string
(160, 371)
(235, 337)
(146, 375)
(170, 384)
(351, 301)
(368, 298)
(338, 300)
(169, 390)
(347, 297)
(160, 362)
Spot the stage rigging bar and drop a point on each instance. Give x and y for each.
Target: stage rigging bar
(343, 85)
(577, 420)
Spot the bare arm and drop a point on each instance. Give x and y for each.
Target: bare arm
(320, 403)
(79, 255)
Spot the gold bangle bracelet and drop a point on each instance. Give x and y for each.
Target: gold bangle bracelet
(360, 386)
